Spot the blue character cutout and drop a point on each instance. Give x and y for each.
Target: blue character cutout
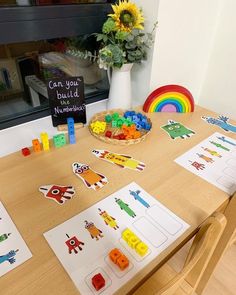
(138, 198)
(9, 257)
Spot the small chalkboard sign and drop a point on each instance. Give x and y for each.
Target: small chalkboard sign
(66, 99)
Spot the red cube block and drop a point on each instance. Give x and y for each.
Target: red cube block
(108, 133)
(98, 281)
(25, 152)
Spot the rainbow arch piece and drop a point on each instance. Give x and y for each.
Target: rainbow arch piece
(169, 98)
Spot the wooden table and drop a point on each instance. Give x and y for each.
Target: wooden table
(188, 195)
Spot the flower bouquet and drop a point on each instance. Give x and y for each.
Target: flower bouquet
(122, 39)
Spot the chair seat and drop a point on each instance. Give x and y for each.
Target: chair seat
(159, 279)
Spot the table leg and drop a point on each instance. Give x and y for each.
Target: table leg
(225, 240)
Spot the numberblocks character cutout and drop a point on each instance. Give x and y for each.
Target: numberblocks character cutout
(122, 161)
(93, 230)
(108, 219)
(58, 193)
(175, 130)
(90, 178)
(73, 243)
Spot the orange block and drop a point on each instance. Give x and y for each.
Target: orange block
(122, 262)
(114, 255)
(137, 134)
(36, 145)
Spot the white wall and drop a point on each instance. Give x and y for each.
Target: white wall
(184, 40)
(218, 91)
(141, 73)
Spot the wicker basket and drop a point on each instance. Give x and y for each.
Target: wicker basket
(115, 131)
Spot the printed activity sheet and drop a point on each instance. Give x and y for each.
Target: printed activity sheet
(13, 249)
(83, 243)
(213, 159)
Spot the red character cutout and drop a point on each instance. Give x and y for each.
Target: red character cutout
(57, 193)
(73, 243)
(197, 165)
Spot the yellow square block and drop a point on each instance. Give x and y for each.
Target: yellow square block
(141, 249)
(126, 234)
(133, 241)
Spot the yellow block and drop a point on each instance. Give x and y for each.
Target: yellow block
(133, 241)
(141, 249)
(126, 234)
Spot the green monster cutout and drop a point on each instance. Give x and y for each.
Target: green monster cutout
(125, 207)
(175, 130)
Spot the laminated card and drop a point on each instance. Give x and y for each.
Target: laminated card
(106, 245)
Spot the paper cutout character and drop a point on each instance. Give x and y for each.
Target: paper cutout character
(58, 193)
(175, 130)
(213, 153)
(10, 257)
(197, 165)
(73, 243)
(108, 219)
(4, 237)
(122, 161)
(226, 140)
(125, 207)
(90, 178)
(222, 122)
(205, 158)
(220, 146)
(93, 230)
(137, 197)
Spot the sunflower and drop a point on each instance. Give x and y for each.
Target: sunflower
(127, 16)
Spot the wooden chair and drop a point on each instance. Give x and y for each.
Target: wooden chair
(166, 281)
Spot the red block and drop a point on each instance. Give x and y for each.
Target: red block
(108, 133)
(25, 152)
(98, 281)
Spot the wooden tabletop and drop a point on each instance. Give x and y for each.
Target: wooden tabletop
(187, 195)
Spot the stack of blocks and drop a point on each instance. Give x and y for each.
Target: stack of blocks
(45, 141)
(134, 242)
(71, 130)
(36, 145)
(118, 258)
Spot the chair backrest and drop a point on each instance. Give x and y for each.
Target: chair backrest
(199, 255)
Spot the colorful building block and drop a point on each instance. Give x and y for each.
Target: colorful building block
(25, 152)
(119, 258)
(114, 255)
(141, 249)
(36, 145)
(45, 141)
(122, 262)
(108, 118)
(134, 242)
(71, 130)
(98, 281)
(59, 140)
(126, 234)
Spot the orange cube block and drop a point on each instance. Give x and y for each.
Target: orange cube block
(122, 262)
(114, 255)
(137, 134)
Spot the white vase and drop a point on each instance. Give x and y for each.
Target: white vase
(120, 88)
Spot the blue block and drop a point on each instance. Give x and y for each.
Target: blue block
(72, 139)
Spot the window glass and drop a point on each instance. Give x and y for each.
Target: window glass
(46, 2)
(25, 68)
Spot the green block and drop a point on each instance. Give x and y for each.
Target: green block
(119, 123)
(115, 116)
(114, 123)
(59, 140)
(108, 118)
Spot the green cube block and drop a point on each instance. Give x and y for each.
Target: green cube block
(114, 123)
(59, 140)
(108, 118)
(115, 116)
